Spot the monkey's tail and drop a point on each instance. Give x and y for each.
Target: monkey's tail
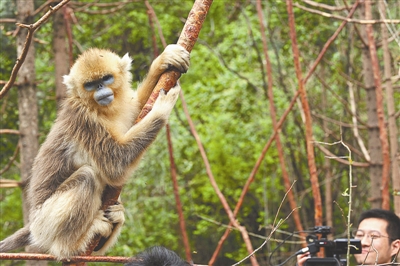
(19, 239)
(157, 256)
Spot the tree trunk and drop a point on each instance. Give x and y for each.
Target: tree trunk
(27, 106)
(61, 58)
(394, 147)
(379, 110)
(374, 144)
(308, 121)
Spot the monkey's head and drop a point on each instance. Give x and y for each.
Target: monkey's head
(98, 77)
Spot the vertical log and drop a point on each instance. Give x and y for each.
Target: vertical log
(27, 107)
(379, 110)
(374, 145)
(394, 147)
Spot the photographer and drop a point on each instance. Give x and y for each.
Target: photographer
(379, 232)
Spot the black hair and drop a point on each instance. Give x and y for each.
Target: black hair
(157, 256)
(393, 227)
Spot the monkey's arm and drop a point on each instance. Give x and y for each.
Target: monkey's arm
(129, 147)
(173, 56)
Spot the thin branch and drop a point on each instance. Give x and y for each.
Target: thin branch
(153, 14)
(349, 194)
(35, 256)
(31, 30)
(106, 11)
(253, 234)
(333, 121)
(11, 161)
(350, 20)
(328, 43)
(43, 6)
(355, 125)
(339, 159)
(9, 131)
(381, 8)
(8, 20)
(79, 6)
(325, 6)
(274, 225)
(6, 183)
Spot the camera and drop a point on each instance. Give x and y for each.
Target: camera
(333, 248)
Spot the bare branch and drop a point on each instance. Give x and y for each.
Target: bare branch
(40, 9)
(275, 227)
(11, 161)
(106, 8)
(6, 183)
(9, 131)
(328, 43)
(325, 6)
(8, 20)
(339, 159)
(350, 20)
(355, 125)
(253, 234)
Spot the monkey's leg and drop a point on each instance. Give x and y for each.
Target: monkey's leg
(69, 219)
(114, 214)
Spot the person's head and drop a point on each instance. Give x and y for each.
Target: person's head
(379, 232)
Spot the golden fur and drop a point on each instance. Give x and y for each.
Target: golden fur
(90, 146)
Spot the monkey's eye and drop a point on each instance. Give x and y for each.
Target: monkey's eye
(90, 86)
(108, 79)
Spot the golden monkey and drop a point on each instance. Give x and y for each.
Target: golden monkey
(93, 143)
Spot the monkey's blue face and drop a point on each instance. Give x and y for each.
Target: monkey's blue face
(103, 95)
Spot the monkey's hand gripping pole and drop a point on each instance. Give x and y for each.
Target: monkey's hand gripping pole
(187, 39)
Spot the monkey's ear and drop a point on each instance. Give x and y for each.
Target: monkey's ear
(126, 62)
(68, 82)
